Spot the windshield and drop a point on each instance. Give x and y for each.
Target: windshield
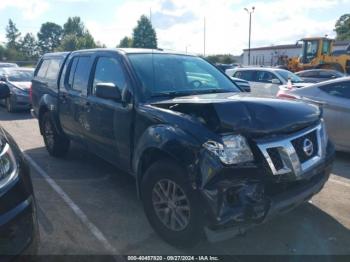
(175, 75)
(287, 74)
(20, 76)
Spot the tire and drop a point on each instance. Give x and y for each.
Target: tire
(9, 105)
(56, 144)
(190, 231)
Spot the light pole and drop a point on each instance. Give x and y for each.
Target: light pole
(250, 29)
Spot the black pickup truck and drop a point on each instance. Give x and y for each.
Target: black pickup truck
(209, 160)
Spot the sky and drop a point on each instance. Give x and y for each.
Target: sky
(180, 23)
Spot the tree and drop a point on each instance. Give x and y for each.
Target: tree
(73, 42)
(125, 42)
(144, 35)
(76, 36)
(342, 27)
(49, 37)
(29, 46)
(74, 26)
(12, 35)
(223, 59)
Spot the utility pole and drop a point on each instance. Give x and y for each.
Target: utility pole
(204, 28)
(250, 29)
(150, 15)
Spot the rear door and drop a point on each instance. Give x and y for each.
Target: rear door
(337, 112)
(109, 129)
(73, 95)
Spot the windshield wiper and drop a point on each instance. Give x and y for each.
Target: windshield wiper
(190, 93)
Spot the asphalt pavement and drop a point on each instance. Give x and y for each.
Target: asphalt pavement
(86, 207)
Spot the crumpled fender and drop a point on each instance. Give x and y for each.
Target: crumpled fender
(171, 140)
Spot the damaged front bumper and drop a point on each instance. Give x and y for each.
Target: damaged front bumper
(239, 198)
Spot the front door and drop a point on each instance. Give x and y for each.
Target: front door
(109, 134)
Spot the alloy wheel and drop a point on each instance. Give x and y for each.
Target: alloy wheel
(171, 205)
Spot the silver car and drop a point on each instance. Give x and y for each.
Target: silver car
(265, 81)
(334, 97)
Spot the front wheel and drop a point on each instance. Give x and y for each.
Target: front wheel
(172, 206)
(56, 144)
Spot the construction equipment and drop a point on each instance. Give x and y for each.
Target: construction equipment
(317, 52)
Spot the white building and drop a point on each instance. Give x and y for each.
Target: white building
(271, 55)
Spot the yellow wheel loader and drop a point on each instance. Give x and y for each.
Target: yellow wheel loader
(318, 53)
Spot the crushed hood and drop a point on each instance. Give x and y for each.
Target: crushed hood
(243, 113)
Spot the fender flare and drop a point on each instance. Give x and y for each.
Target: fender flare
(48, 103)
(169, 141)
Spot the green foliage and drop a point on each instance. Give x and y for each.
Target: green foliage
(12, 35)
(74, 26)
(222, 59)
(125, 42)
(144, 35)
(73, 42)
(76, 36)
(29, 46)
(49, 37)
(342, 27)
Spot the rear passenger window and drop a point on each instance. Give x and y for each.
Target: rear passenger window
(246, 75)
(81, 75)
(109, 70)
(79, 72)
(43, 68)
(53, 69)
(73, 67)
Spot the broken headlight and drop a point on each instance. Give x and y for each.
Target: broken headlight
(8, 165)
(234, 149)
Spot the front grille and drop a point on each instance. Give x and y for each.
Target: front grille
(294, 154)
(275, 157)
(299, 146)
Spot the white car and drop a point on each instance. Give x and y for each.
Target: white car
(266, 81)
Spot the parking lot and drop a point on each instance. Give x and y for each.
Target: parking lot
(87, 206)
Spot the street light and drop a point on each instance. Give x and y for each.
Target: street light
(250, 29)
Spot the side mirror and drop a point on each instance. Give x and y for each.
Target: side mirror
(108, 91)
(4, 91)
(275, 81)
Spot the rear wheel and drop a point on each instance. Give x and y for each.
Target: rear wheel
(171, 205)
(56, 144)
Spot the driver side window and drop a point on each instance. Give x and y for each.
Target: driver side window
(109, 70)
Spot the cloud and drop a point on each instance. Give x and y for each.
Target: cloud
(30, 9)
(180, 23)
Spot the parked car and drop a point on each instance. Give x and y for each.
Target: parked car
(208, 159)
(243, 84)
(265, 81)
(18, 81)
(18, 220)
(6, 65)
(318, 75)
(334, 97)
(224, 67)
